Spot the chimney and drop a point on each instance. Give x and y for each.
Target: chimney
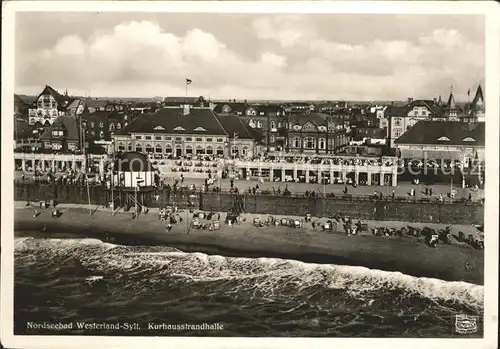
(410, 100)
(186, 109)
(435, 100)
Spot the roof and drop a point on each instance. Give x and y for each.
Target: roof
(172, 120)
(68, 123)
(269, 108)
(478, 97)
(444, 132)
(233, 107)
(316, 118)
(132, 161)
(451, 102)
(22, 130)
(60, 99)
(233, 124)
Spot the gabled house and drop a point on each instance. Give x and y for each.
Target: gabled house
(62, 135)
(48, 106)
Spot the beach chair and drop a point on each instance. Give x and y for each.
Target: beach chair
(297, 224)
(256, 221)
(216, 225)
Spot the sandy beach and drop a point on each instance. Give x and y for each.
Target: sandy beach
(407, 255)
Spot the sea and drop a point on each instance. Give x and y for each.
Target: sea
(84, 286)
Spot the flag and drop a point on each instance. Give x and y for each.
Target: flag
(188, 81)
(468, 92)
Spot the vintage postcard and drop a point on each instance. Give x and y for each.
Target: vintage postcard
(250, 174)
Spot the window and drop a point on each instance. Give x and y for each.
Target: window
(189, 149)
(121, 146)
(209, 139)
(168, 138)
(101, 134)
(118, 126)
(309, 143)
(424, 112)
(157, 138)
(101, 124)
(397, 133)
(199, 139)
(273, 124)
(220, 150)
(200, 150)
(322, 143)
(138, 148)
(210, 150)
(259, 124)
(138, 137)
(129, 147)
(189, 139)
(415, 113)
(279, 124)
(148, 138)
(296, 142)
(245, 150)
(220, 140)
(149, 148)
(111, 127)
(92, 124)
(168, 149)
(158, 149)
(92, 133)
(273, 139)
(178, 138)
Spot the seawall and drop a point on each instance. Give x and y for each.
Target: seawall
(356, 207)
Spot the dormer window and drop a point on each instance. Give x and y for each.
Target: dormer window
(111, 127)
(118, 126)
(160, 128)
(469, 139)
(101, 124)
(179, 128)
(443, 138)
(199, 129)
(101, 134)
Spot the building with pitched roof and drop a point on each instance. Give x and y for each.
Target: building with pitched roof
(62, 135)
(185, 131)
(475, 110)
(402, 118)
(315, 133)
(443, 140)
(48, 106)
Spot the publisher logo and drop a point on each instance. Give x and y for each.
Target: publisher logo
(465, 324)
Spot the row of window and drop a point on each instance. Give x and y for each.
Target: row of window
(188, 149)
(111, 125)
(308, 143)
(186, 139)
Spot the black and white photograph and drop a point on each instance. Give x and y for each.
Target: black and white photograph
(249, 171)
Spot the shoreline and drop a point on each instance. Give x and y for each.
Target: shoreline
(407, 255)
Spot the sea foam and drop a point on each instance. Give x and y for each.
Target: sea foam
(269, 275)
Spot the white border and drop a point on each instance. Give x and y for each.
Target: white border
(489, 9)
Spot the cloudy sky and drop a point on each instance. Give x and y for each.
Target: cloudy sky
(253, 56)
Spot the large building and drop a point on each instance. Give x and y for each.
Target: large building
(185, 131)
(266, 121)
(443, 140)
(48, 106)
(314, 133)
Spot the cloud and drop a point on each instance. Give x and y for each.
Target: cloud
(291, 60)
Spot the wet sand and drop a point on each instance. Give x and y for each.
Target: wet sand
(407, 255)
